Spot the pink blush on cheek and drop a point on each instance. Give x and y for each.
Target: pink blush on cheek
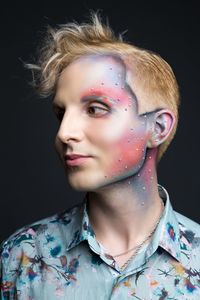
(130, 154)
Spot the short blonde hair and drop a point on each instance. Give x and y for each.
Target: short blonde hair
(71, 41)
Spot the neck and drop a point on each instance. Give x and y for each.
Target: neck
(118, 210)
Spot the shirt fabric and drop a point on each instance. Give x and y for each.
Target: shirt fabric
(60, 258)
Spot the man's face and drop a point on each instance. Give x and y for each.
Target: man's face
(98, 118)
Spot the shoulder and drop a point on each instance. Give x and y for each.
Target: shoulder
(189, 241)
(27, 243)
(40, 228)
(188, 225)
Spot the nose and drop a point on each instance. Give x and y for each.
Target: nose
(71, 128)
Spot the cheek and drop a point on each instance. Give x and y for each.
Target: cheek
(128, 153)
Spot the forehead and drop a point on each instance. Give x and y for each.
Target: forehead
(91, 68)
(106, 72)
(106, 62)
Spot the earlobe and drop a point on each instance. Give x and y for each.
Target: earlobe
(163, 123)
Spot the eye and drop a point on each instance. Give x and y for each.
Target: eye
(96, 111)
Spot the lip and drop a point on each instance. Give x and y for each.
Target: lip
(74, 156)
(75, 159)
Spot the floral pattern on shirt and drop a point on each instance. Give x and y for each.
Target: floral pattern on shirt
(60, 258)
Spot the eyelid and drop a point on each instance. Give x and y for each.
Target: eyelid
(100, 102)
(99, 111)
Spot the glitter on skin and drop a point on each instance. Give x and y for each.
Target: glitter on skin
(108, 138)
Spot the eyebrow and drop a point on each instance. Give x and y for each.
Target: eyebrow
(98, 96)
(96, 92)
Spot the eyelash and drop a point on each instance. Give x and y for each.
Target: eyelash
(60, 113)
(101, 108)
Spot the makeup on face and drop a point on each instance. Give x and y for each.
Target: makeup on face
(119, 98)
(116, 136)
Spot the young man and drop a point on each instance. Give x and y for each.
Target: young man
(117, 107)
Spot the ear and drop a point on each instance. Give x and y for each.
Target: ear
(161, 126)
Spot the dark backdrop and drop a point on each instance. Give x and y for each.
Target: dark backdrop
(33, 184)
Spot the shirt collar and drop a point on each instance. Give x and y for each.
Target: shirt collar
(167, 234)
(80, 227)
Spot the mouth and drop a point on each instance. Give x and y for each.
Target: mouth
(75, 159)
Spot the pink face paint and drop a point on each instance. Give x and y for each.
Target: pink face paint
(119, 97)
(116, 143)
(131, 152)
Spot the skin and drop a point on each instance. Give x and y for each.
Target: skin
(101, 115)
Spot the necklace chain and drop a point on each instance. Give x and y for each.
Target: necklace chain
(137, 248)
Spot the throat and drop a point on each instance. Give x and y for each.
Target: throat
(122, 253)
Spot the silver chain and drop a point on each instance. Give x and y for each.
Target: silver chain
(141, 244)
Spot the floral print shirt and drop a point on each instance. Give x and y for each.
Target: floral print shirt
(59, 258)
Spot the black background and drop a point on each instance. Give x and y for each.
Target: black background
(33, 184)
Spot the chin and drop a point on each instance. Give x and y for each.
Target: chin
(82, 187)
(80, 184)
(85, 183)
